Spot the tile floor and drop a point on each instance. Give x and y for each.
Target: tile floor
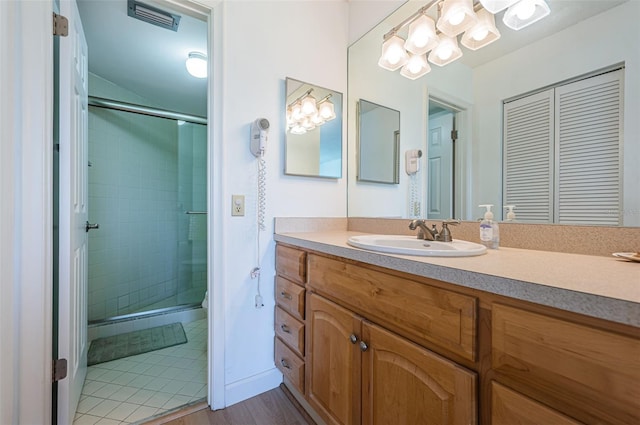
(134, 388)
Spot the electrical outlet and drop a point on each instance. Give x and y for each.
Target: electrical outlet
(237, 205)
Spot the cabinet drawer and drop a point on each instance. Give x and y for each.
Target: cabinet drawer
(509, 407)
(415, 310)
(290, 330)
(291, 263)
(593, 372)
(290, 297)
(290, 365)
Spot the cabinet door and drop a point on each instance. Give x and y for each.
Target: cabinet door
(403, 383)
(333, 361)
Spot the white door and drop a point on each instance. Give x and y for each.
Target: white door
(72, 327)
(440, 166)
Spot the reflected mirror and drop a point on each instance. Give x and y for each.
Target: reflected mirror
(378, 143)
(313, 141)
(554, 50)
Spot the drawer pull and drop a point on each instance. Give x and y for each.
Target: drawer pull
(363, 346)
(285, 328)
(353, 338)
(285, 295)
(285, 364)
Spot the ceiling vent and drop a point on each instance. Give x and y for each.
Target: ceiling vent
(153, 15)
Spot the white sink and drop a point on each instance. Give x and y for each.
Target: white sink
(410, 245)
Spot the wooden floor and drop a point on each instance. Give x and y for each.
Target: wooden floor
(270, 408)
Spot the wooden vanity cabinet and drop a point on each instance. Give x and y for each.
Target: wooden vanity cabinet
(358, 372)
(387, 347)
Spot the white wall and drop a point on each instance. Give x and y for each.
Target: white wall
(262, 44)
(549, 61)
(26, 152)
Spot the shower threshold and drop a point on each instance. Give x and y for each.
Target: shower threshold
(144, 314)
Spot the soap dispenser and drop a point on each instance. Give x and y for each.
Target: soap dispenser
(511, 216)
(489, 233)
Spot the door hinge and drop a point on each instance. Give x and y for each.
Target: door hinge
(60, 25)
(454, 135)
(59, 370)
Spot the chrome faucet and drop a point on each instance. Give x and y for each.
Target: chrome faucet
(432, 234)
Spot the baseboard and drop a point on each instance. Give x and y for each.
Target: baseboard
(252, 386)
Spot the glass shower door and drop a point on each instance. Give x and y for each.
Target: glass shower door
(192, 213)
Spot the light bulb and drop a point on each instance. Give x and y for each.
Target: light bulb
(421, 36)
(456, 18)
(394, 54)
(445, 52)
(414, 64)
(480, 34)
(525, 10)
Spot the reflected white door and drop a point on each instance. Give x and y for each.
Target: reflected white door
(440, 166)
(72, 326)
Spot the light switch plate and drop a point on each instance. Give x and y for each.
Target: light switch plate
(237, 205)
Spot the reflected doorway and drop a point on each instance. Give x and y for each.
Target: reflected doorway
(441, 154)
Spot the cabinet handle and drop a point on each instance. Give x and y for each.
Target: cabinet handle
(285, 295)
(285, 364)
(363, 346)
(285, 328)
(353, 338)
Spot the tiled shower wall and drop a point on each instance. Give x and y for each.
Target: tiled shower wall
(133, 195)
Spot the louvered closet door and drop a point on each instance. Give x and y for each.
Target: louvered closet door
(528, 157)
(588, 154)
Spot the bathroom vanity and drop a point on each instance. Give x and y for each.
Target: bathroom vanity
(364, 337)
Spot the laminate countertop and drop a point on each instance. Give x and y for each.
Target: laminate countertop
(602, 287)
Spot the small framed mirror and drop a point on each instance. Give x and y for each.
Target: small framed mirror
(378, 143)
(313, 140)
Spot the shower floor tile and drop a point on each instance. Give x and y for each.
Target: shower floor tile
(128, 390)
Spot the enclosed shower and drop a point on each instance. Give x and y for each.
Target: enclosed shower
(148, 192)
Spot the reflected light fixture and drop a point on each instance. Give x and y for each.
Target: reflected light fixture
(393, 54)
(305, 113)
(422, 35)
(415, 67)
(438, 37)
(446, 51)
(484, 32)
(197, 64)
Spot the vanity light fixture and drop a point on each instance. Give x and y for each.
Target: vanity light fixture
(456, 17)
(475, 18)
(525, 13)
(305, 113)
(197, 64)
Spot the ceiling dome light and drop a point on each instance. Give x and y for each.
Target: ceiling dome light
(525, 13)
(197, 64)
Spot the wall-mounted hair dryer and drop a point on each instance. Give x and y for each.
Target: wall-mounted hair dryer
(259, 134)
(412, 161)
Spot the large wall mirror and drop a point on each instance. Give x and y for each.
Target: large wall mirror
(579, 37)
(378, 143)
(313, 141)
